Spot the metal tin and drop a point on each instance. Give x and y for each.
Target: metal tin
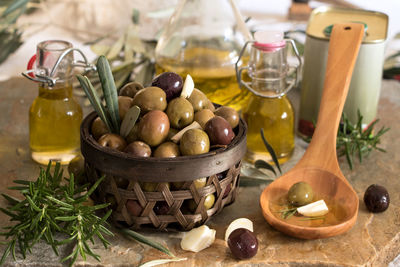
(367, 75)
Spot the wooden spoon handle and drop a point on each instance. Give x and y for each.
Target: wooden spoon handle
(344, 45)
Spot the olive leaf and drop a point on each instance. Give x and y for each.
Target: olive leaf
(17, 4)
(270, 150)
(261, 164)
(116, 48)
(94, 99)
(130, 120)
(109, 91)
(145, 240)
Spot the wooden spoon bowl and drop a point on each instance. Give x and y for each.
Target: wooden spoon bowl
(319, 166)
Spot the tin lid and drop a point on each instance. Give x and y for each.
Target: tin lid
(323, 17)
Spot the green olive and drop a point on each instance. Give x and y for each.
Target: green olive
(171, 133)
(229, 114)
(194, 142)
(167, 150)
(130, 89)
(151, 186)
(180, 112)
(203, 116)
(208, 203)
(300, 194)
(124, 104)
(198, 100)
(201, 182)
(98, 128)
(77, 167)
(210, 106)
(113, 141)
(133, 134)
(150, 98)
(177, 185)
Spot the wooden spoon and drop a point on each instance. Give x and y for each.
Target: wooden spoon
(319, 166)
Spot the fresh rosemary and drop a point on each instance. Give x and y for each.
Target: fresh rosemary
(287, 212)
(352, 140)
(53, 205)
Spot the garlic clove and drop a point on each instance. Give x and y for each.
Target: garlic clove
(177, 137)
(238, 223)
(314, 209)
(198, 239)
(188, 87)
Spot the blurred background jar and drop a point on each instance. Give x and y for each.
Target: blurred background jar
(54, 116)
(204, 39)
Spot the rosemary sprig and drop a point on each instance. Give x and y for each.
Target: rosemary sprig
(53, 205)
(286, 213)
(352, 140)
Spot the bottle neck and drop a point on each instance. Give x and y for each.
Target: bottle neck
(60, 90)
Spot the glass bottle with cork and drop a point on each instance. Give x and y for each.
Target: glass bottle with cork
(268, 107)
(54, 116)
(204, 39)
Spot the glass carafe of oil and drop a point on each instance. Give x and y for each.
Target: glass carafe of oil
(54, 116)
(268, 107)
(204, 39)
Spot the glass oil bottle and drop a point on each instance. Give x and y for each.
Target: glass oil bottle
(268, 107)
(204, 39)
(54, 116)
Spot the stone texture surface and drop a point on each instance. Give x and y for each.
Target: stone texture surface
(373, 241)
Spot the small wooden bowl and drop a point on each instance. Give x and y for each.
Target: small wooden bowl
(125, 175)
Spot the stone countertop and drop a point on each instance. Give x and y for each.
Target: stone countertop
(373, 241)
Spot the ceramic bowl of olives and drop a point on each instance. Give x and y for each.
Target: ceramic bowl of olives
(178, 164)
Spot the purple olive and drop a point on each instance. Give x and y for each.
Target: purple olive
(170, 82)
(219, 131)
(138, 149)
(161, 208)
(133, 207)
(243, 243)
(376, 198)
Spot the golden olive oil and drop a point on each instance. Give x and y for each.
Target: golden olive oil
(54, 121)
(337, 213)
(276, 117)
(213, 72)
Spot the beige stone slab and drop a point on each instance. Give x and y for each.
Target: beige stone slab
(374, 240)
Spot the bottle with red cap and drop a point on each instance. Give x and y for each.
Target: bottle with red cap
(54, 116)
(269, 108)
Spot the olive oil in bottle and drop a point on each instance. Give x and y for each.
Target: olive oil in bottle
(276, 117)
(268, 107)
(213, 72)
(54, 121)
(54, 116)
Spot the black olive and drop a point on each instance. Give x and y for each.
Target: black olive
(161, 208)
(376, 198)
(243, 243)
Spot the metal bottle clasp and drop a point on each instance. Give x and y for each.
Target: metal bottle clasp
(51, 81)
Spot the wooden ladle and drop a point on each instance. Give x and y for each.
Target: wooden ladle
(319, 166)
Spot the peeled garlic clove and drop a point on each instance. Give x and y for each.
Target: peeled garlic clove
(314, 209)
(238, 223)
(188, 87)
(177, 137)
(198, 239)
